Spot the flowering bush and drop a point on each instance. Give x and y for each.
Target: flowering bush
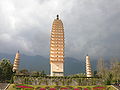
(42, 89)
(20, 86)
(24, 87)
(64, 88)
(99, 88)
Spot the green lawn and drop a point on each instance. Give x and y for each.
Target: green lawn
(11, 87)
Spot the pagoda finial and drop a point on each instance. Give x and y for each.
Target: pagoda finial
(57, 17)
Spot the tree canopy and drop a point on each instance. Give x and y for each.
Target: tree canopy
(5, 70)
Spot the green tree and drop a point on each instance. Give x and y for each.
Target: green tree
(101, 67)
(114, 69)
(24, 72)
(35, 73)
(43, 74)
(108, 78)
(6, 69)
(0, 73)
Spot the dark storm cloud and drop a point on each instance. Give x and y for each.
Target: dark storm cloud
(91, 26)
(95, 28)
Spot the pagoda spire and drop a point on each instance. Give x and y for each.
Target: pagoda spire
(57, 17)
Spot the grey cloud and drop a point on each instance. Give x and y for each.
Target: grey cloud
(91, 26)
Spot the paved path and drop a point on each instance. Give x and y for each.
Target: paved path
(3, 86)
(116, 87)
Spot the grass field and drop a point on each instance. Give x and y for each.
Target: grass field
(37, 87)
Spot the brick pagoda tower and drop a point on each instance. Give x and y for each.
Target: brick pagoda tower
(57, 48)
(88, 67)
(16, 62)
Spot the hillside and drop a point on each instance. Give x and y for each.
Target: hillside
(39, 63)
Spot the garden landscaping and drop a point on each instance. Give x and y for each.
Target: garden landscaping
(39, 87)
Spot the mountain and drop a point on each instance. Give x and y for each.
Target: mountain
(39, 63)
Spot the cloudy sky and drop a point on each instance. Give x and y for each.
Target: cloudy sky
(91, 26)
